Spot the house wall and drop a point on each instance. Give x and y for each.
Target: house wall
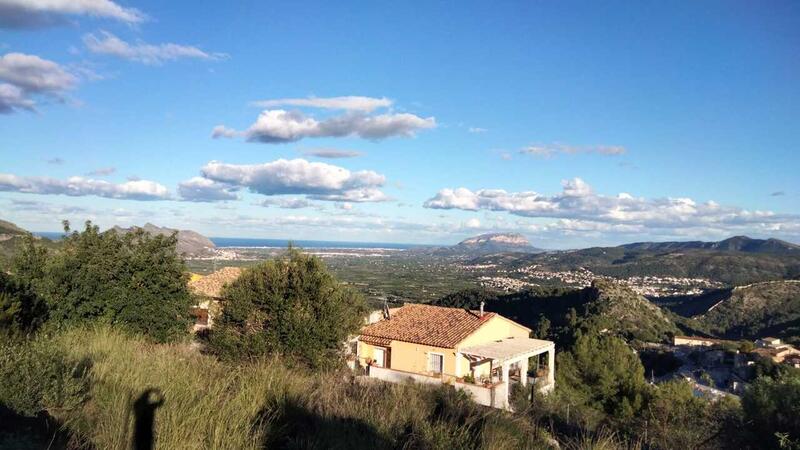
(495, 328)
(412, 357)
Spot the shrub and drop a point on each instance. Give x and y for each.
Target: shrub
(21, 310)
(291, 306)
(37, 376)
(773, 407)
(133, 280)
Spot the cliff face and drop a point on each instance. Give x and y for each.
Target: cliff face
(496, 243)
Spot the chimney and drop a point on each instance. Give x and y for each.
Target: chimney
(482, 303)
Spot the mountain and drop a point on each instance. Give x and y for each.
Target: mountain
(8, 229)
(734, 261)
(756, 310)
(484, 244)
(190, 243)
(605, 306)
(11, 238)
(497, 243)
(733, 244)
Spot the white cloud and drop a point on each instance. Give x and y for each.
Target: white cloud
(199, 189)
(13, 99)
(551, 150)
(39, 13)
(348, 103)
(28, 75)
(280, 126)
(477, 130)
(579, 204)
(221, 131)
(287, 203)
(108, 44)
(315, 180)
(80, 186)
(332, 153)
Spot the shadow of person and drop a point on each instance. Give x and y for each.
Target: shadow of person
(144, 410)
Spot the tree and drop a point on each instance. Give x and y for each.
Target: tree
(133, 280)
(466, 298)
(676, 418)
(542, 327)
(21, 310)
(292, 306)
(603, 374)
(772, 406)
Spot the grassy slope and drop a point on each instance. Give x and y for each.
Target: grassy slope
(210, 404)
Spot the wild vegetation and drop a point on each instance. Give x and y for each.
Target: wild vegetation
(83, 361)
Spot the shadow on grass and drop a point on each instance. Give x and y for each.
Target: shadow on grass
(293, 426)
(144, 411)
(42, 431)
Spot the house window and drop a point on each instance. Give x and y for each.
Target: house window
(379, 357)
(435, 362)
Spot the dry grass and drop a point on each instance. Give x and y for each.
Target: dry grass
(213, 404)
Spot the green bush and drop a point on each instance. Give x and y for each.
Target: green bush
(133, 280)
(773, 407)
(21, 310)
(37, 376)
(290, 306)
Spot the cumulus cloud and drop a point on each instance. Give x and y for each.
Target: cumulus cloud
(281, 126)
(348, 103)
(579, 204)
(221, 131)
(26, 76)
(315, 180)
(41, 13)
(108, 44)
(80, 186)
(332, 153)
(551, 150)
(13, 99)
(199, 189)
(102, 172)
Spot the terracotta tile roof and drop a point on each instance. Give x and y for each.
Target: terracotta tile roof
(428, 325)
(211, 285)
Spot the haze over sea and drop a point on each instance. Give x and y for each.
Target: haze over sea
(276, 243)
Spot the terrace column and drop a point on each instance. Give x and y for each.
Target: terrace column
(506, 384)
(523, 370)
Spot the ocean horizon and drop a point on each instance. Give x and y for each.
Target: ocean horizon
(223, 242)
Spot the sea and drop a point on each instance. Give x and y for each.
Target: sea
(280, 243)
(283, 243)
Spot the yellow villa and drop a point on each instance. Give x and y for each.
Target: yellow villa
(481, 353)
(208, 290)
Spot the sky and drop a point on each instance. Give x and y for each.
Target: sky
(574, 123)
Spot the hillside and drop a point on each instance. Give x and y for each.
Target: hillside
(604, 305)
(756, 310)
(733, 244)
(11, 237)
(685, 260)
(190, 243)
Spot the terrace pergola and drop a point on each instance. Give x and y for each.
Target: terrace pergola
(505, 353)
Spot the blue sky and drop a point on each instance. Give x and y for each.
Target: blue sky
(574, 123)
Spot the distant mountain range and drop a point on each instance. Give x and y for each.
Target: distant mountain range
(733, 244)
(190, 243)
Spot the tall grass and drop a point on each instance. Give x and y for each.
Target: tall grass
(265, 404)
